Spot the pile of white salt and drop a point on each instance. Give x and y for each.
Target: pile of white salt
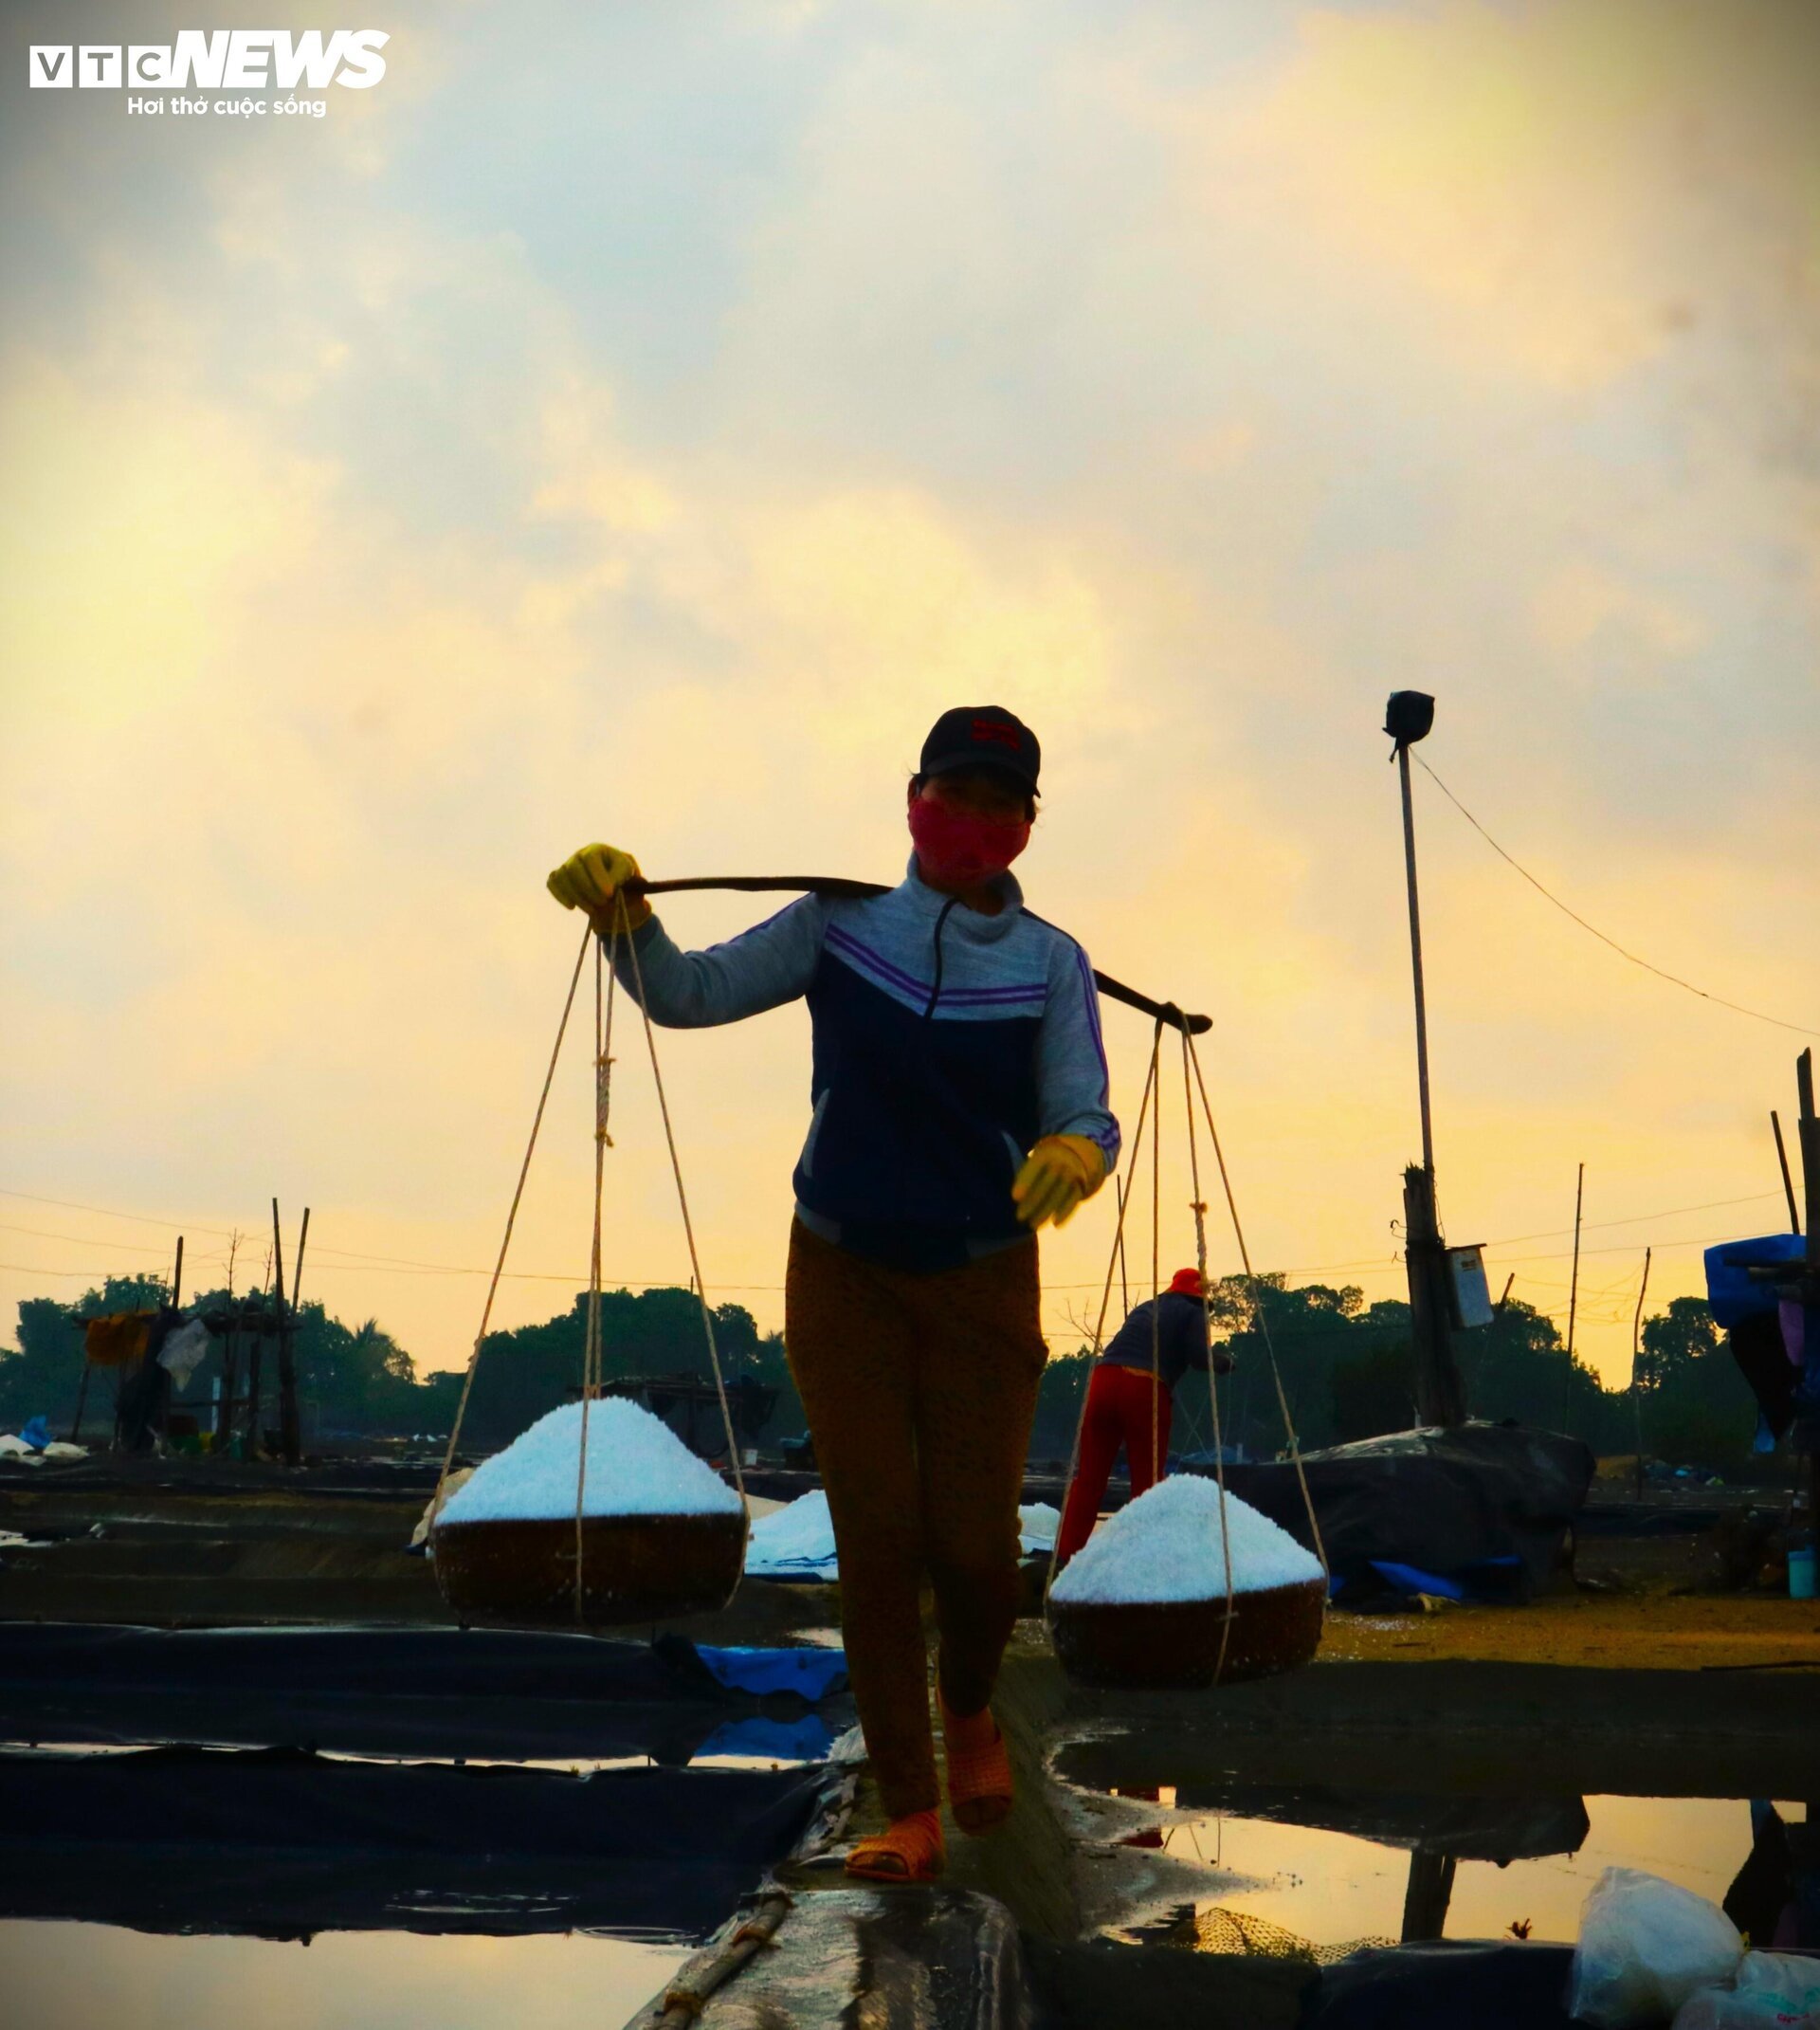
(1165, 1546)
(636, 1466)
(797, 1541)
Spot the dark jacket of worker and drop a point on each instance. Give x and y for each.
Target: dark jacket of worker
(1181, 1332)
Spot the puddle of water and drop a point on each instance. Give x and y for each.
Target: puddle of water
(57, 1976)
(1331, 1888)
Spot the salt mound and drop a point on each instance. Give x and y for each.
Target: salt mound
(636, 1466)
(1165, 1546)
(797, 1539)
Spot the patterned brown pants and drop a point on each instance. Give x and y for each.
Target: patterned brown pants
(920, 1392)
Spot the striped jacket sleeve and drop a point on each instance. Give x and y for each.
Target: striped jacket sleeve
(763, 967)
(1073, 1084)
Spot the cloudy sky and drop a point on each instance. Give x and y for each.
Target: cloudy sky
(637, 422)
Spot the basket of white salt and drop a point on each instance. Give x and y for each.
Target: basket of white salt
(1144, 1603)
(662, 1534)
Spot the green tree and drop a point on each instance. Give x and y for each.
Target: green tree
(1373, 1390)
(524, 1374)
(1674, 1341)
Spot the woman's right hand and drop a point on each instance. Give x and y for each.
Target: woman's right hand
(592, 879)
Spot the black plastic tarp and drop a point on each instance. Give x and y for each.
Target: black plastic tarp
(493, 1693)
(1442, 1985)
(1445, 1501)
(280, 1843)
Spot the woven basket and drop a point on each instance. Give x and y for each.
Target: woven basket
(635, 1568)
(1173, 1645)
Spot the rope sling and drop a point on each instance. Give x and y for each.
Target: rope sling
(606, 961)
(1150, 1114)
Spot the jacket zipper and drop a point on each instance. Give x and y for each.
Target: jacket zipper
(934, 992)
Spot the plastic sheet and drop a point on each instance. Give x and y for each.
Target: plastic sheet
(1646, 1948)
(197, 1839)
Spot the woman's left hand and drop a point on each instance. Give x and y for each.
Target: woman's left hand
(1058, 1174)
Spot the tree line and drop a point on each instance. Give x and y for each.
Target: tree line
(1347, 1367)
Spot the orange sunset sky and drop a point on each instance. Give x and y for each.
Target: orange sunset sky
(637, 422)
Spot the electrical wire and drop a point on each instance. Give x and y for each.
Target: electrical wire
(144, 1219)
(1674, 980)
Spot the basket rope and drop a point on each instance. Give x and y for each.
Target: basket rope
(606, 977)
(1193, 1083)
(1256, 1289)
(1212, 1386)
(505, 1239)
(1105, 1295)
(623, 922)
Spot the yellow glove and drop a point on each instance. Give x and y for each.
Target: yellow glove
(1058, 1174)
(591, 878)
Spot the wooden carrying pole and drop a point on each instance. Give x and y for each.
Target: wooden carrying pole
(839, 885)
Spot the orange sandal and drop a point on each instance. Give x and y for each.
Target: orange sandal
(979, 1768)
(910, 1850)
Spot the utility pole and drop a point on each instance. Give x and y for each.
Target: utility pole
(1810, 1142)
(1440, 1394)
(1572, 1300)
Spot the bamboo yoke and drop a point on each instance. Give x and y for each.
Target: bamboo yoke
(1164, 1014)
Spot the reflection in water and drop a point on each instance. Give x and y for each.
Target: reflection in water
(1331, 1868)
(75, 1976)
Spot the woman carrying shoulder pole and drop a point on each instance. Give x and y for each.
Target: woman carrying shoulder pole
(960, 1100)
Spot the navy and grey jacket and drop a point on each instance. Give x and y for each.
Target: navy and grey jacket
(946, 1044)
(1181, 1332)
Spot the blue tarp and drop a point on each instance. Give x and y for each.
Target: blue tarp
(1733, 1293)
(812, 1673)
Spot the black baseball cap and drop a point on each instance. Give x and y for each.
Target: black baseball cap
(982, 736)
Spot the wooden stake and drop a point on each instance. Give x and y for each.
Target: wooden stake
(230, 1376)
(1636, 1348)
(290, 1433)
(1787, 1182)
(82, 1397)
(255, 1376)
(177, 1278)
(1572, 1300)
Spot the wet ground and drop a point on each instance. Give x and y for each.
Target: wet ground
(76, 1976)
(1447, 1774)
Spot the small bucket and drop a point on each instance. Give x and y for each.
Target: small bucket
(1801, 1574)
(635, 1568)
(1174, 1645)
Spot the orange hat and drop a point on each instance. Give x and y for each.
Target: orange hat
(1186, 1283)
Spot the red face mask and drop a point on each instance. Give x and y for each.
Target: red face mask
(955, 845)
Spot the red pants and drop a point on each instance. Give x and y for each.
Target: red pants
(1120, 1411)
